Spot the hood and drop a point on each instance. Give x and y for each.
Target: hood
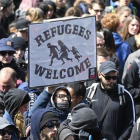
(117, 38)
(54, 93)
(35, 122)
(14, 99)
(24, 86)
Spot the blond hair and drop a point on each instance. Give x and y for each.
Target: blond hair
(36, 15)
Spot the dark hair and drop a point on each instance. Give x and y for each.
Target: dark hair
(43, 6)
(109, 41)
(99, 2)
(78, 88)
(102, 52)
(98, 26)
(73, 11)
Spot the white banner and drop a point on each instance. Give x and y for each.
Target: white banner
(62, 51)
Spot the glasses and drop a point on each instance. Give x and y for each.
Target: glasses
(110, 77)
(3, 53)
(62, 96)
(51, 125)
(97, 11)
(3, 132)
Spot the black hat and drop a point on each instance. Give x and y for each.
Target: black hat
(48, 116)
(19, 42)
(22, 24)
(107, 67)
(5, 3)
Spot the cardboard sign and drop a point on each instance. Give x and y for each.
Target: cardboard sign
(62, 51)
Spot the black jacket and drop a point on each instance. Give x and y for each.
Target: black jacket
(119, 120)
(132, 84)
(132, 43)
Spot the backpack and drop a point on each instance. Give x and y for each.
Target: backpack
(79, 134)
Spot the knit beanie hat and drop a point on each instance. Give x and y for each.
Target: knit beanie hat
(82, 118)
(19, 42)
(48, 116)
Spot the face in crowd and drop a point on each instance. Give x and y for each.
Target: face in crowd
(97, 11)
(6, 56)
(133, 27)
(74, 99)
(49, 131)
(109, 80)
(6, 80)
(124, 2)
(6, 133)
(19, 54)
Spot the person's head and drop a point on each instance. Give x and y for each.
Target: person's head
(123, 12)
(83, 119)
(22, 28)
(109, 41)
(44, 7)
(77, 92)
(108, 74)
(60, 3)
(35, 15)
(102, 56)
(19, 45)
(61, 98)
(7, 79)
(96, 8)
(48, 126)
(111, 22)
(99, 40)
(6, 50)
(12, 27)
(16, 100)
(124, 2)
(7, 7)
(44, 124)
(130, 27)
(73, 11)
(52, 9)
(6, 129)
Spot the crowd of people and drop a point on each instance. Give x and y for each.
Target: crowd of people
(105, 108)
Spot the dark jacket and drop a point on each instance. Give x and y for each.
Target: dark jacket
(132, 84)
(132, 43)
(119, 120)
(122, 50)
(20, 73)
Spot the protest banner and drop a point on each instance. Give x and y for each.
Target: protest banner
(62, 51)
